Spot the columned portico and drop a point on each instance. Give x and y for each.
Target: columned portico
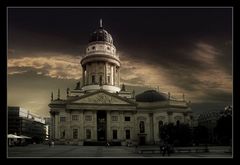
(101, 126)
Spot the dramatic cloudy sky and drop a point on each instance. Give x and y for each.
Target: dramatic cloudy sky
(176, 50)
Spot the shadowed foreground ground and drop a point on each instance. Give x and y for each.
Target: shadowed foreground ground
(62, 151)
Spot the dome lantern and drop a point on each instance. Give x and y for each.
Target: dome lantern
(101, 35)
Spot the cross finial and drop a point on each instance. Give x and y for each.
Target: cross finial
(101, 23)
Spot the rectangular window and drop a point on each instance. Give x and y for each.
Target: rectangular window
(127, 118)
(74, 117)
(88, 134)
(114, 134)
(128, 134)
(88, 118)
(100, 80)
(114, 118)
(62, 119)
(93, 79)
(75, 133)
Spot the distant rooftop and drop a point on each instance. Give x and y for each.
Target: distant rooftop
(22, 112)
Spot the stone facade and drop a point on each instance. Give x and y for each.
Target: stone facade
(99, 111)
(76, 120)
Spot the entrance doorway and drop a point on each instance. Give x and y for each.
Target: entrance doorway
(142, 140)
(101, 125)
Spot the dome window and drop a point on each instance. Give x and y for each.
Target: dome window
(93, 47)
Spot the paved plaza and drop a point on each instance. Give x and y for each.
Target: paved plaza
(69, 151)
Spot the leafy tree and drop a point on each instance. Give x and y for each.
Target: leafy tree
(179, 135)
(223, 129)
(200, 135)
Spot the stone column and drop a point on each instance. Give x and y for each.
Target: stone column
(105, 75)
(81, 126)
(94, 129)
(56, 120)
(111, 75)
(133, 132)
(155, 128)
(69, 120)
(86, 77)
(114, 73)
(152, 126)
(119, 77)
(83, 76)
(52, 129)
(121, 127)
(115, 78)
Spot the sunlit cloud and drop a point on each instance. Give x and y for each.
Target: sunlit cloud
(16, 72)
(198, 83)
(205, 78)
(136, 72)
(56, 66)
(214, 76)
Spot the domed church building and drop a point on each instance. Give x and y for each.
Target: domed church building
(100, 110)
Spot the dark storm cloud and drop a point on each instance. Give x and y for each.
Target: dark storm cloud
(218, 96)
(179, 49)
(145, 29)
(135, 80)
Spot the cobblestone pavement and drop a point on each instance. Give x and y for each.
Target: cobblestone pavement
(68, 151)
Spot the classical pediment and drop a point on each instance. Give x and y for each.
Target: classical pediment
(102, 97)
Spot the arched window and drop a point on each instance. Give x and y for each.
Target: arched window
(88, 134)
(62, 134)
(178, 122)
(142, 127)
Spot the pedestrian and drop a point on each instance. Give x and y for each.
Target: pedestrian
(168, 148)
(164, 149)
(52, 143)
(107, 144)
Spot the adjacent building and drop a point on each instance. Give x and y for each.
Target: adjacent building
(99, 109)
(48, 127)
(23, 122)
